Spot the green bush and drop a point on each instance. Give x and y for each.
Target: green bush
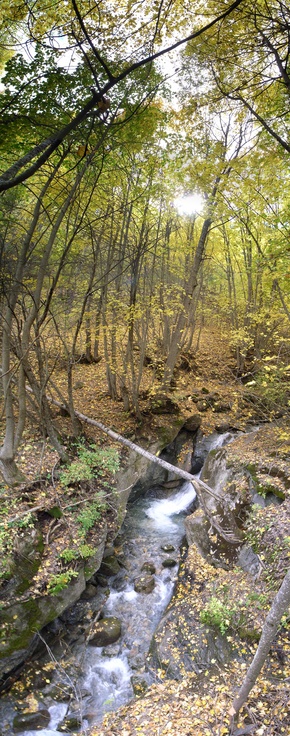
(92, 512)
(217, 614)
(60, 581)
(83, 552)
(91, 462)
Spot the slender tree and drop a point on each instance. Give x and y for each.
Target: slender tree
(279, 606)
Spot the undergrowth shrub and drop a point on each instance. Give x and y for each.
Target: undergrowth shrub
(91, 462)
(217, 614)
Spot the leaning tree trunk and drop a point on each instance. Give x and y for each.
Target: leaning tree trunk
(279, 606)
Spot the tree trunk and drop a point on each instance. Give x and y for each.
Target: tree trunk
(182, 317)
(11, 473)
(279, 606)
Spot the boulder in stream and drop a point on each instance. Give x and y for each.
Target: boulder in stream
(71, 723)
(169, 562)
(104, 632)
(144, 584)
(148, 567)
(168, 548)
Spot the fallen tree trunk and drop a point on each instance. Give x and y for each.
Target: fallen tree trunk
(227, 534)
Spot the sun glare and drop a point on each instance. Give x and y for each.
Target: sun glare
(189, 204)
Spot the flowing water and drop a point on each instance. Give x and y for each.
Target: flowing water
(104, 680)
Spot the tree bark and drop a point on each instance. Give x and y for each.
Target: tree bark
(279, 606)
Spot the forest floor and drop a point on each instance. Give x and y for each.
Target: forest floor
(194, 706)
(210, 371)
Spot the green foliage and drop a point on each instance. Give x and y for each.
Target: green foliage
(84, 551)
(68, 554)
(91, 462)
(260, 599)
(92, 512)
(60, 581)
(272, 382)
(217, 614)
(27, 86)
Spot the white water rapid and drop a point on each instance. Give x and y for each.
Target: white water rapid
(104, 674)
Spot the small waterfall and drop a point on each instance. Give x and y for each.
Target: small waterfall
(163, 509)
(105, 680)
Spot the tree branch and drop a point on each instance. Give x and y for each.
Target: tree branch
(8, 178)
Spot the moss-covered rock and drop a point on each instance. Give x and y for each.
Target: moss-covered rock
(22, 616)
(169, 562)
(104, 632)
(144, 584)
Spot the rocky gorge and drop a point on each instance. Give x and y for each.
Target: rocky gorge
(242, 477)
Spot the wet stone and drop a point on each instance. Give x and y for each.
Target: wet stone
(139, 684)
(167, 548)
(106, 631)
(170, 562)
(89, 592)
(111, 651)
(148, 567)
(59, 692)
(136, 660)
(101, 580)
(197, 463)
(109, 566)
(144, 584)
(71, 723)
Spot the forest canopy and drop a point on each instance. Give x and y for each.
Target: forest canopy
(110, 113)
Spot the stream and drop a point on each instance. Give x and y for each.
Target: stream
(102, 678)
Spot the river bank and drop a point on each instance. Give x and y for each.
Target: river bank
(210, 631)
(220, 405)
